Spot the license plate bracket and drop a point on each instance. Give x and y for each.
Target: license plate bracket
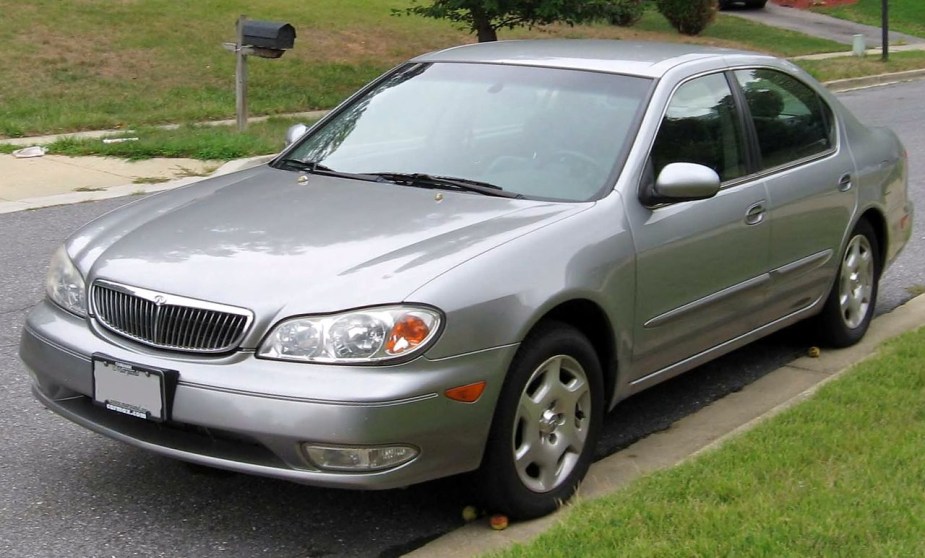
(136, 390)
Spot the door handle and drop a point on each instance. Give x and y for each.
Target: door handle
(755, 213)
(845, 183)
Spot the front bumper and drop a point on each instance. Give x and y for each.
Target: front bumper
(251, 415)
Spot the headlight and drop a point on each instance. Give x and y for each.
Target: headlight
(64, 284)
(362, 336)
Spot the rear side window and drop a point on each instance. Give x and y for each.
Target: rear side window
(791, 120)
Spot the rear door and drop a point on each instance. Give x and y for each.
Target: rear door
(810, 182)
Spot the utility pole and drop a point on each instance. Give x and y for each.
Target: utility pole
(885, 25)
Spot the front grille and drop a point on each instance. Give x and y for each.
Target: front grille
(169, 321)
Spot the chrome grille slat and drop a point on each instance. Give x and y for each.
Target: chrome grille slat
(168, 321)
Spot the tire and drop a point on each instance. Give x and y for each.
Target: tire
(757, 4)
(546, 424)
(850, 306)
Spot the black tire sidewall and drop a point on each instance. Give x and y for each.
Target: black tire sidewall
(502, 489)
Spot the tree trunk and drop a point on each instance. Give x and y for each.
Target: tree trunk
(483, 28)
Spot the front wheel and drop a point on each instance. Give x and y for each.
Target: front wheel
(546, 424)
(848, 310)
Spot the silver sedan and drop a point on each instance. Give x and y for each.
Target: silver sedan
(468, 262)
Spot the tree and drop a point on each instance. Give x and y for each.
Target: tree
(485, 17)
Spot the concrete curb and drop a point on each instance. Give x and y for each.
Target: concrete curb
(126, 189)
(693, 435)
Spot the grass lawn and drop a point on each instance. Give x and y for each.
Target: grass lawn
(906, 16)
(839, 475)
(96, 64)
(851, 66)
(189, 141)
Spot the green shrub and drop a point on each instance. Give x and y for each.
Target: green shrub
(689, 17)
(623, 13)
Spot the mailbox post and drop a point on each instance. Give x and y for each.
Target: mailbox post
(240, 76)
(266, 39)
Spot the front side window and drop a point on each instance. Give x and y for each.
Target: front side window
(540, 132)
(791, 120)
(701, 126)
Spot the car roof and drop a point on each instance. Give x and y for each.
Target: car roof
(648, 59)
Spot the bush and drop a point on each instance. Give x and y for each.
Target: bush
(689, 17)
(623, 13)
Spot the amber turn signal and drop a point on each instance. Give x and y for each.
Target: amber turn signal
(469, 393)
(407, 333)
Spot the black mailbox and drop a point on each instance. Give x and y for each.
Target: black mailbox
(270, 35)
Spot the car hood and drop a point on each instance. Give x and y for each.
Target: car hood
(268, 241)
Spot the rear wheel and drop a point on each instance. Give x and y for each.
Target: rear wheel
(546, 424)
(848, 310)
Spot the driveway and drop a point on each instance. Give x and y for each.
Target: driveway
(819, 25)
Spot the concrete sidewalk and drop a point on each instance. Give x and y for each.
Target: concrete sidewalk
(57, 180)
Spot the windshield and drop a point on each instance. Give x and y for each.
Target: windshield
(538, 132)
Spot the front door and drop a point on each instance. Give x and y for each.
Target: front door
(701, 265)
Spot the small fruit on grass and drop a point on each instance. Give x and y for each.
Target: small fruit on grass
(499, 522)
(470, 513)
(814, 352)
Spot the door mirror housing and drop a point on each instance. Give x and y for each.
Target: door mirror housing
(295, 132)
(683, 182)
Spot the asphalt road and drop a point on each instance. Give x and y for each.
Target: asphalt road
(67, 492)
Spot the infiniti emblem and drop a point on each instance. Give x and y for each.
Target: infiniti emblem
(160, 300)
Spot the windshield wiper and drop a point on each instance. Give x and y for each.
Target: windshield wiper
(431, 181)
(314, 167)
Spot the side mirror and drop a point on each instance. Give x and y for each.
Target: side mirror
(295, 132)
(683, 182)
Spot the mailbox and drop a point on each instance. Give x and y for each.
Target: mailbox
(269, 38)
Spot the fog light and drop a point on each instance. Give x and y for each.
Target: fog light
(358, 459)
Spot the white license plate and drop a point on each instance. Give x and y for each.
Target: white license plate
(130, 389)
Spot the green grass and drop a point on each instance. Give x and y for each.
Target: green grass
(851, 66)
(839, 475)
(906, 16)
(98, 64)
(188, 141)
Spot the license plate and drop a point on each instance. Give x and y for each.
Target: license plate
(131, 389)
